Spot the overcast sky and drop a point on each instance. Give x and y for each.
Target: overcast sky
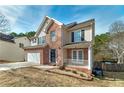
(28, 18)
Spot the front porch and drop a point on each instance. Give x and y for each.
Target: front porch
(78, 56)
(74, 62)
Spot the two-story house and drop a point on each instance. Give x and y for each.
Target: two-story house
(22, 41)
(56, 44)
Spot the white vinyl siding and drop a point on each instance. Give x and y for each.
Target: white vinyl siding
(33, 42)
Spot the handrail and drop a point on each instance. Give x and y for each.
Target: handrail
(75, 62)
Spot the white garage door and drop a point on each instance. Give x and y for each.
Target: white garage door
(33, 57)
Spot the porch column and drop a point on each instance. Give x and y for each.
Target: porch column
(90, 59)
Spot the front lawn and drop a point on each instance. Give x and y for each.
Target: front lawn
(34, 77)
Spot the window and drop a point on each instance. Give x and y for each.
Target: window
(77, 55)
(80, 56)
(78, 36)
(41, 40)
(21, 45)
(34, 40)
(74, 55)
(53, 35)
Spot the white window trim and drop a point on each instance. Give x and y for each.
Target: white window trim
(41, 43)
(51, 37)
(78, 55)
(80, 34)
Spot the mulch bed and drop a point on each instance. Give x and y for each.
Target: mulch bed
(71, 74)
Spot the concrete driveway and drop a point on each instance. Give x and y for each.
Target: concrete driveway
(8, 66)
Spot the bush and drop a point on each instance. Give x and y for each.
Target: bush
(81, 75)
(75, 72)
(61, 67)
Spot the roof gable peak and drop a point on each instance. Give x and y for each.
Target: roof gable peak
(43, 24)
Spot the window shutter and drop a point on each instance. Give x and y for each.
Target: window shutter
(82, 35)
(72, 36)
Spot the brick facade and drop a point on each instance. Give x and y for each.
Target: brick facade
(57, 43)
(44, 52)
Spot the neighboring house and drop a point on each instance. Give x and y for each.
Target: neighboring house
(22, 41)
(56, 44)
(9, 51)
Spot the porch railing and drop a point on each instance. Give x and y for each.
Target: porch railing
(75, 62)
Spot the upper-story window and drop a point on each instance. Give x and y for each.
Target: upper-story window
(41, 40)
(53, 36)
(77, 36)
(34, 40)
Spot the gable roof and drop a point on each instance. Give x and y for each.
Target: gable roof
(75, 25)
(22, 37)
(43, 22)
(69, 26)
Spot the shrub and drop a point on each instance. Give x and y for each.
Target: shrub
(61, 67)
(82, 75)
(75, 72)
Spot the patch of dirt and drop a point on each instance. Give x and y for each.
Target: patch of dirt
(4, 62)
(34, 77)
(72, 73)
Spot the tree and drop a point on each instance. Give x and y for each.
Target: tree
(101, 47)
(100, 41)
(4, 24)
(13, 34)
(30, 34)
(21, 34)
(116, 43)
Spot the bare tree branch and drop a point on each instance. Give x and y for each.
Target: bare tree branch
(4, 24)
(116, 43)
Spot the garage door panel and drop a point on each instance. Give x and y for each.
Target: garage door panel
(33, 57)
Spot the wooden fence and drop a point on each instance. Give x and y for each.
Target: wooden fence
(114, 67)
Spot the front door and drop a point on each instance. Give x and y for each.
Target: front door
(53, 55)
